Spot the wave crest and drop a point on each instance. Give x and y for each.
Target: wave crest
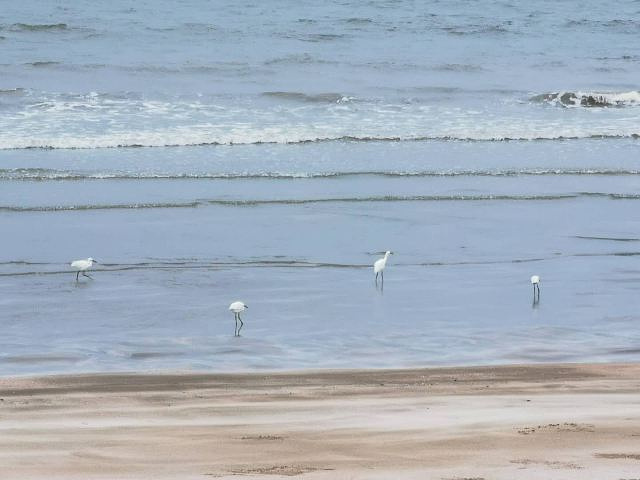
(160, 141)
(39, 27)
(310, 98)
(589, 99)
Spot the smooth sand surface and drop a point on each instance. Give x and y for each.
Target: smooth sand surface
(511, 422)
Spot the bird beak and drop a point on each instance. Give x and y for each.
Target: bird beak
(96, 261)
(246, 306)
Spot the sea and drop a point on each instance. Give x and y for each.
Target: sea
(205, 152)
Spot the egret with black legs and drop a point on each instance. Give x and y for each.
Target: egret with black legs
(237, 308)
(379, 265)
(82, 266)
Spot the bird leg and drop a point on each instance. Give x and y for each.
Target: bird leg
(77, 275)
(85, 274)
(241, 324)
(235, 332)
(377, 278)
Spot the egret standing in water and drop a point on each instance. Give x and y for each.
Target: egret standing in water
(236, 308)
(535, 281)
(82, 266)
(378, 266)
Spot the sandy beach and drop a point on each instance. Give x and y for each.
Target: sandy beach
(525, 422)
(162, 160)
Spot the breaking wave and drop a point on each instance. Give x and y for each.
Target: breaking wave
(589, 99)
(123, 119)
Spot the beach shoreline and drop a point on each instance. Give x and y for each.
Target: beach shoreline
(494, 422)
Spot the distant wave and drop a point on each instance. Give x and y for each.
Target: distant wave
(38, 27)
(300, 58)
(207, 68)
(589, 99)
(45, 174)
(195, 27)
(633, 58)
(47, 63)
(460, 30)
(631, 26)
(608, 239)
(358, 20)
(314, 37)
(312, 98)
(457, 67)
(239, 68)
(13, 91)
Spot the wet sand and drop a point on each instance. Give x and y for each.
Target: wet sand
(524, 422)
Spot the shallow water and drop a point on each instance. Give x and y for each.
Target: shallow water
(288, 146)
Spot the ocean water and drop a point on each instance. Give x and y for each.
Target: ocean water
(206, 152)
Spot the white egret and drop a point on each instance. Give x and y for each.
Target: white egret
(236, 308)
(535, 281)
(378, 266)
(82, 266)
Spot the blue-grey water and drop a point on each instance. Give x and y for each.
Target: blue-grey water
(206, 152)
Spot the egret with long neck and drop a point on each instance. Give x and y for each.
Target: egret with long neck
(378, 266)
(82, 266)
(236, 308)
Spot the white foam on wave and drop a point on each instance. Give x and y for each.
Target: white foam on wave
(40, 174)
(184, 137)
(106, 121)
(628, 98)
(591, 99)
